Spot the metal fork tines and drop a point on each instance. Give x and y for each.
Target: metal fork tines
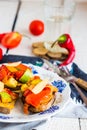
(67, 75)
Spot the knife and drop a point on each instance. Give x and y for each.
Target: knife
(80, 82)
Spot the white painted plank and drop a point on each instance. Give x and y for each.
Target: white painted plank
(28, 12)
(79, 35)
(60, 124)
(7, 15)
(63, 124)
(43, 0)
(83, 123)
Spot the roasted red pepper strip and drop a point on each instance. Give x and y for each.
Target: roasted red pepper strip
(65, 41)
(3, 72)
(22, 67)
(34, 99)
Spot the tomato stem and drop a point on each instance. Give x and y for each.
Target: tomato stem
(26, 36)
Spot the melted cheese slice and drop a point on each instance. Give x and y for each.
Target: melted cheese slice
(40, 86)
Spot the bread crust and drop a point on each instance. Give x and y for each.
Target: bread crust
(44, 50)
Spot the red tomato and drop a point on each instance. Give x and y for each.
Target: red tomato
(11, 40)
(36, 27)
(2, 35)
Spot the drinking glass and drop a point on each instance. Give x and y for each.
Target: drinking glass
(58, 16)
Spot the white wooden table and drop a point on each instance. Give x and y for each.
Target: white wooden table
(28, 10)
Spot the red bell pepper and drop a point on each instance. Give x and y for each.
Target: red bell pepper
(22, 67)
(65, 41)
(18, 74)
(35, 99)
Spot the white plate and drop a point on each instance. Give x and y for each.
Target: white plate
(17, 116)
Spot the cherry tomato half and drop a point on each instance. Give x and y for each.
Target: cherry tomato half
(36, 27)
(11, 40)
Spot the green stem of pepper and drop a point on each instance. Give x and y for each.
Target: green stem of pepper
(61, 39)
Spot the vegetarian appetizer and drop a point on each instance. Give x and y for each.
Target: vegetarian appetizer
(18, 81)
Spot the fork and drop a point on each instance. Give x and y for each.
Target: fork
(60, 71)
(69, 78)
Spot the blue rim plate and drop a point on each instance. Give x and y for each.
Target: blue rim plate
(17, 115)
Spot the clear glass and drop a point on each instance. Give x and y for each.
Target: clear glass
(58, 16)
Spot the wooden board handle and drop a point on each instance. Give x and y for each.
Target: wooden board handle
(81, 83)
